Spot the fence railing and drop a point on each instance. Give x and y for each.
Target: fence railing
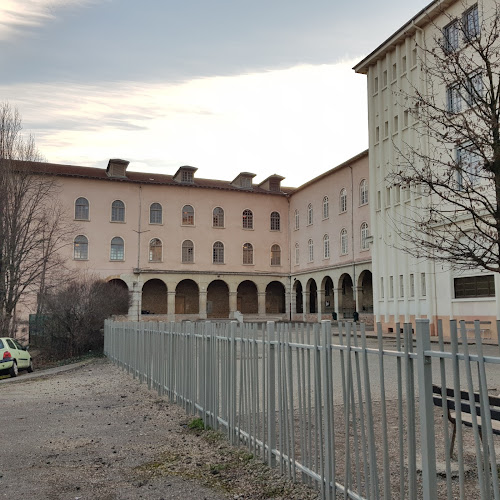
(350, 414)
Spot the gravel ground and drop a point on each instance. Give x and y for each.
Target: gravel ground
(93, 432)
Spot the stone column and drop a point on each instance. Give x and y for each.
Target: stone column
(305, 304)
(336, 301)
(171, 305)
(261, 297)
(203, 303)
(233, 303)
(134, 311)
(320, 299)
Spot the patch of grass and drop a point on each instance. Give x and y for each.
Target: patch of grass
(196, 425)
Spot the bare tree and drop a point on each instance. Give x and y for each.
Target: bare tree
(32, 223)
(453, 160)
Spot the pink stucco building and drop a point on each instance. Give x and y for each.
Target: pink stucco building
(193, 248)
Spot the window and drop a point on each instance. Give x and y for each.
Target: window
(381, 287)
(403, 64)
(247, 219)
(187, 251)
(155, 214)
(343, 200)
(309, 214)
(379, 200)
(395, 125)
(274, 185)
(384, 78)
(275, 221)
(397, 193)
(450, 34)
(187, 176)
(412, 285)
(377, 134)
(218, 217)
(82, 209)
(414, 57)
(471, 23)
(247, 253)
(394, 71)
(310, 246)
(363, 192)
(326, 208)
(218, 253)
(474, 89)
(469, 167)
(423, 287)
(343, 242)
(275, 255)
(155, 250)
(364, 236)
(326, 246)
(391, 287)
(454, 99)
(297, 220)
(187, 215)
(401, 286)
(81, 248)
(297, 254)
(117, 249)
(387, 196)
(386, 129)
(118, 211)
(474, 286)
(375, 84)
(406, 115)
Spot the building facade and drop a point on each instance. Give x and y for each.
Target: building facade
(406, 287)
(193, 248)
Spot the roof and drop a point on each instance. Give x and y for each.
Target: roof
(418, 21)
(140, 178)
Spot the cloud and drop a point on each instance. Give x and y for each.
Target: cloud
(15, 16)
(296, 122)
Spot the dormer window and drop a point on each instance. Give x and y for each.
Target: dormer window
(117, 168)
(187, 176)
(243, 180)
(274, 185)
(246, 182)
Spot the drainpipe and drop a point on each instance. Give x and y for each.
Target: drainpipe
(354, 287)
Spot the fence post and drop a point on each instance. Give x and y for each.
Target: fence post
(426, 404)
(271, 395)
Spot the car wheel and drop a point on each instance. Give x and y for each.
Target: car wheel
(30, 367)
(14, 370)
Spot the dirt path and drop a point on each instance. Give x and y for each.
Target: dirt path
(94, 433)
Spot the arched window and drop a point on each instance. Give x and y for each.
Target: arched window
(155, 250)
(363, 192)
(326, 208)
(310, 245)
(82, 209)
(343, 200)
(81, 248)
(247, 219)
(187, 215)
(364, 236)
(218, 217)
(155, 214)
(343, 242)
(218, 253)
(187, 251)
(247, 253)
(275, 255)
(309, 214)
(118, 211)
(297, 254)
(275, 221)
(117, 249)
(326, 246)
(297, 219)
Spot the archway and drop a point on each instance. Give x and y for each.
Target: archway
(115, 288)
(218, 300)
(247, 298)
(154, 297)
(329, 302)
(299, 309)
(366, 296)
(312, 288)
(187, 299)
(275, 298)
(347, 304)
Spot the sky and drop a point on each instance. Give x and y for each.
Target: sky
(227, 86)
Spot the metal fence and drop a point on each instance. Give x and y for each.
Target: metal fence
(349, 413)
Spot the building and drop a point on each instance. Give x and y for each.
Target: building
(407, 287)
(193, 248)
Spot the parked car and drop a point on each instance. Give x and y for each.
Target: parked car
(14, 357)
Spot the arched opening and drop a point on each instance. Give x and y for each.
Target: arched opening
(299, 307)
(247, 298)
(312, 288)
(154, 297)
(187, 299)
(329, 304)
(347, 304)
(275, 298)
(118, 283)
(366, 298)
(218, 300)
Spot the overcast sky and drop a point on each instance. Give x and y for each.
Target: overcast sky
(222, 85)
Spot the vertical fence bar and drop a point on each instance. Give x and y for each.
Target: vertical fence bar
(410, 413)
(271, 388)
(427, 435)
